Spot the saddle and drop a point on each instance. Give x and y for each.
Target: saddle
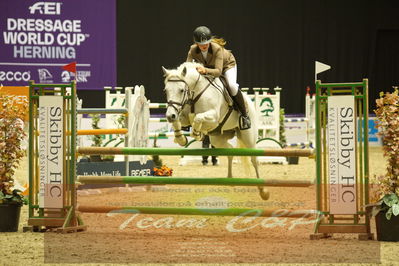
(224, 90)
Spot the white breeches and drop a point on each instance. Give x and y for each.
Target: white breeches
(231, 77)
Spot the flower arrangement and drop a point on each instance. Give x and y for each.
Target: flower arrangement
(163, 171)
(12, 112)
(387, 113)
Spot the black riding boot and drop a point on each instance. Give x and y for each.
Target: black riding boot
(245, 122)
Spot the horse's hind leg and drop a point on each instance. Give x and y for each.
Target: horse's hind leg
(229, 166)
(221, 141)
(248, 139)
(254, 161)
(264, 193)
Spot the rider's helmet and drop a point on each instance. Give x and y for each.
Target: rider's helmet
(202, 35)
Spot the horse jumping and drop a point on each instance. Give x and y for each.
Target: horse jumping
(200, 102)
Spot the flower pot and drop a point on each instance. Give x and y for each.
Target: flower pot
(9, 217)
(387, 230)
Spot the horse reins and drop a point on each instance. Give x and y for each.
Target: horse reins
(186, 98)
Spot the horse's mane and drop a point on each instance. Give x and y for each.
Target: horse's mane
(177, 72)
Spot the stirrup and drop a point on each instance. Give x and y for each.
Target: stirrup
(245, 122)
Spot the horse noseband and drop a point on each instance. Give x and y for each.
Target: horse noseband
(184, 100)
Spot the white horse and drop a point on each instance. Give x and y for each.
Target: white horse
(199, 101)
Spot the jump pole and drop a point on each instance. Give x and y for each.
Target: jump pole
(192, 181)
(199, 211)
(195, 152)
(101, 111)
(118, 131)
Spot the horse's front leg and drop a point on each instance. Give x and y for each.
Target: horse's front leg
(209, 117)
(179, 137)
(229, 166)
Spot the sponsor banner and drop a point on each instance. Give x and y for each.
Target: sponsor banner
(37, 38)
(342, 154)
(51, 151)
(113, 169)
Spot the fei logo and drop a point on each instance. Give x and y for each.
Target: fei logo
(46, 8)
(45, 75)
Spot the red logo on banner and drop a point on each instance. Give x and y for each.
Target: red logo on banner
(70, 67)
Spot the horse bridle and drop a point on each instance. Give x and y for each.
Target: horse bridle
(186, 97)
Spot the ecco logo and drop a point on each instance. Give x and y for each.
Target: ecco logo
(47, 8)
(17, 76)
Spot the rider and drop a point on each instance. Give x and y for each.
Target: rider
(217, 61)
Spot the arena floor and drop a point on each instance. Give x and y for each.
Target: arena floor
(130, 238)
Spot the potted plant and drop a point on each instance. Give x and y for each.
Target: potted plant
(386, 210)
(12, 112)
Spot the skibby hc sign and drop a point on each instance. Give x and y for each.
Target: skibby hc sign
(342, 154)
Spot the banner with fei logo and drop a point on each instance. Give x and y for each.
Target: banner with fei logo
(341, 139)
(39, 37)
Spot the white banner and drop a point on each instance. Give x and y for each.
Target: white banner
(51, 151)
(342, 154)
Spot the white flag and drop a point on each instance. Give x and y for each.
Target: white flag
(320, 67)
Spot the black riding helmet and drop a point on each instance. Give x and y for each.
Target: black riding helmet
(202, 35)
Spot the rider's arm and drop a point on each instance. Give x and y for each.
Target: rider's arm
(189, 57)
(217, 71)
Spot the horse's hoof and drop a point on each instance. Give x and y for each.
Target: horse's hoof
(182, 140)
(197, 135)
(264, 194)
(199, 138)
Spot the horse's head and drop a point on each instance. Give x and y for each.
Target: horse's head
(179, 84)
